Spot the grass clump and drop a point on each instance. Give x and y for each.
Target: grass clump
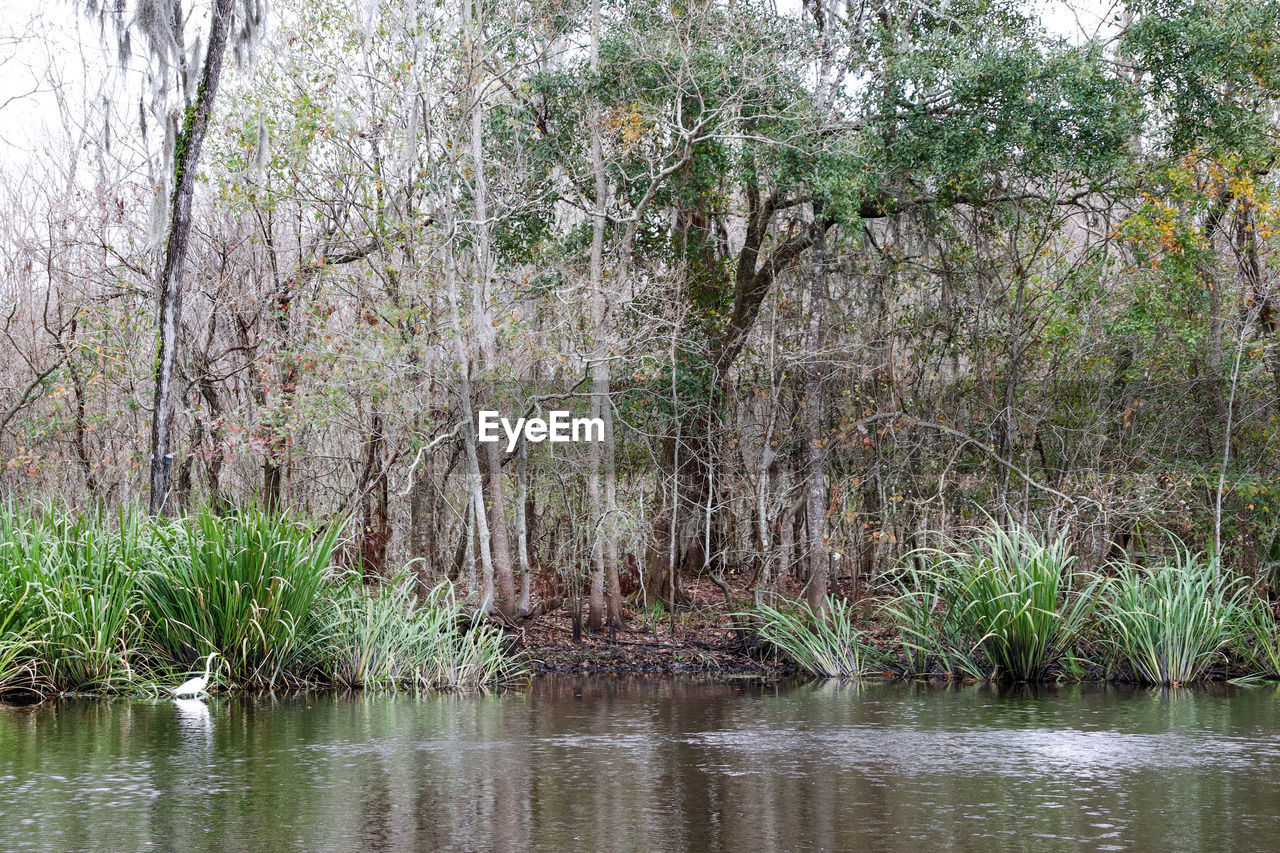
(98, 607)
(15, 639)
(1170, 622)
(1257, 645)
(931, 635)
(69, 586)
(824, 644)
(91, 597)
(1007, 604)
(242, 585)
(388, 639)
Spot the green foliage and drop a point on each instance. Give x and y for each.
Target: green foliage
(241, 585)
(1213, 67)
(1170, 622)
(1007, 598)
(1257, 645)
(931, 635)
(69, 586)
(825, 644)
(91, 595)
(386, 639)
(15, 636)
(975, 108)
(87, 606)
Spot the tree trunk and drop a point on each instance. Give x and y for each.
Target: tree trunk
(499, 541)
(186, 160)
(522, 525)
(815, 483)
(613, 584)
(604, 568)
(475, 494)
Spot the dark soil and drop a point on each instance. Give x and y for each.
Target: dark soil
(700, 637)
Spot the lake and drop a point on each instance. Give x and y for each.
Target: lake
(637, 763)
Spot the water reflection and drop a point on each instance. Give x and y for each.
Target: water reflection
(193, 714)
(645, 764)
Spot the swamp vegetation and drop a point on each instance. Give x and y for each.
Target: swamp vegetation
(125, 605)
(90, 605)
(841, 282)
(1008, 606)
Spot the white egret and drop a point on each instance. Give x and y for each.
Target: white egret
(196, 686)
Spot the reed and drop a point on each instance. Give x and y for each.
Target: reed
(1257, 644)
(390, 639)
(15, 640)
(126, 606)
(69, 582)
(1005, 604)
(824, 644)
(1169, 623)
(242, 585)
(90, 593)
(931, 636)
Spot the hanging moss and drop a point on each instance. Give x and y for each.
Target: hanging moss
(183, 138)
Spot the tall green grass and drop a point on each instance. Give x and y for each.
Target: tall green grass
(14, 639)
(242, 585)
(21, 610)
(96, 605)
(825, 644)
(1005, 604)
(1257, 645)
(91, 597)
(72, 579)
(932, 636)
(387, 639)
(1169, 623)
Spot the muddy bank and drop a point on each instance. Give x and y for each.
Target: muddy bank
(549, 648)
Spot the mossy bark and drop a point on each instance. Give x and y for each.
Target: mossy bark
(185, 162)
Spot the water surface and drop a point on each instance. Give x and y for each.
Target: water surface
(652, 764)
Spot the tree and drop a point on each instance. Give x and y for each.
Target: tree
(185, 82)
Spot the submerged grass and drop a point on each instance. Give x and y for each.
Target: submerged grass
(92, 606)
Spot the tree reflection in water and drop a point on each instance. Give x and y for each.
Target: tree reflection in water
(650, 763)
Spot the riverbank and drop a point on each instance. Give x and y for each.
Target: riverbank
(92, 606)
(703, 649)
